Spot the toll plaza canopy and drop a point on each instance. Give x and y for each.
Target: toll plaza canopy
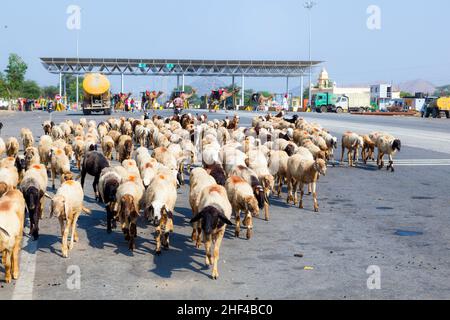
(173, 67)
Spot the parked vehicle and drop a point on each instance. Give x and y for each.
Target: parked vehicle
(97, 97)
(352, 102)
(436, 107)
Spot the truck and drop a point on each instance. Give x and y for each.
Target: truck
(97, 97)
(350, 102)
(436, 107)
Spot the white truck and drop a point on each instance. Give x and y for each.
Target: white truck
(353, 102)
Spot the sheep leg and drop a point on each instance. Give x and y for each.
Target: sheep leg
(199, 235)
(73, 227)
(158, 240)
(302, 193)
(217, 243)
(350, 158)
(309, 189)
(133, 235)
(15, 258)
(95, 185)
(295, 187)
(391, 163)
(248, 222)
(280, 186)
(7, 264)
(83, 177)
(208, 242)
(316, 203)
(290, 197)
(65, 236)
(109, 218)
(53, 178)
(266, 211)
(342, 154)
(166, 241)
(4, 257)
(238, 222)
(380, 160)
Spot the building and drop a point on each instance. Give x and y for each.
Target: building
(383, 96)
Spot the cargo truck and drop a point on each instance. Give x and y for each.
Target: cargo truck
(351, 102)
(97, 97)
(437, 107)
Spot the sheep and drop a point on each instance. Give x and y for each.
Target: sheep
(27, 138)
(93, 164)
(167, 159)
(45, 146)
(129, 195)
(127, 129)
(21, 166)
(79, 151)
(199, 179)
(32, 157)
(8, 162)
(33, 187)
(389, 145)
(368, 150)
(115, 135)
(47, 127)
(148, 171)
(241, 197)
(2, 147)
(259, 191)
(60, 165)
(67, 206)
(12, 147)
(231, 157)
(57, 133)
(219, 175)
(159, 204)
(9, 179)
(301, 171)
(278, 167)
(125, 148)
(352, 142)
(102, 130)
(109, 182)
(108, 147)
(315, 150)
(12, 211)
(215, 214)
(79, 131)
(143, 135)
(83, 122)
(132, 168)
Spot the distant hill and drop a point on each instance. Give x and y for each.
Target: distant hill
(204, 85)
(418, 85)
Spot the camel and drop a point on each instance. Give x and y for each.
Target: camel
(217, 99)
(262, 100)
(120, 104)
(152, 97)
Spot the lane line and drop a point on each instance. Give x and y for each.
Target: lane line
(24, 286)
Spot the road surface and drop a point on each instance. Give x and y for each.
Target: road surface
(397, 222)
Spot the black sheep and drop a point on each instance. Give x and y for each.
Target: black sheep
(93, 164)
(33, 196)
(217, 172)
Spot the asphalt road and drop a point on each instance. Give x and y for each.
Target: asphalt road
(395, 221)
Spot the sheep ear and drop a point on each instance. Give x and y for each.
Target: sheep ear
(198, 217)
(225, 219)
(4, 232)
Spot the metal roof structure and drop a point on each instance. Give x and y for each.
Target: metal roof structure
(173, 67)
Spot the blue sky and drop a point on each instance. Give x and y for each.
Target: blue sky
(410, 45)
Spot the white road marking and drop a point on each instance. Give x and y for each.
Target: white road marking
(25, 284)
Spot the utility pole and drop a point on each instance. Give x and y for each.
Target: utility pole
(309, 5)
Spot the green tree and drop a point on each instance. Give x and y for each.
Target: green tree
(15, 75)
(3, 89)
(50, 91)
(405, 94)
(71, 82)
(30, 89)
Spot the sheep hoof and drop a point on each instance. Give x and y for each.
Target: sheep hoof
(249, 234)
(108, 231)
(15, 275)
(236, 234)
(158, 253)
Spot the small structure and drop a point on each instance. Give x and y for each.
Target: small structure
(383, 96)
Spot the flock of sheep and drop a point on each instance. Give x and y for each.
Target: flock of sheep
(233, 170)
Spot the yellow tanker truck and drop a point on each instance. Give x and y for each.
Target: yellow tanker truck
(438, 106)
(97, 97)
